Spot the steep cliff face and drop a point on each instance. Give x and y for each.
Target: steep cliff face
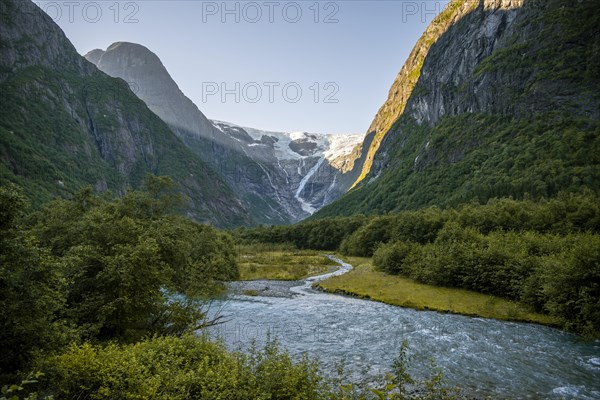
(498, 98)
(281, 178)
(151, 82)
(65, 124)
(406, 80)
(30, 39)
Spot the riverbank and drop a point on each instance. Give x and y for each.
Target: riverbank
(280, 264)
(367, 283)
(266, 287)
(263, 288)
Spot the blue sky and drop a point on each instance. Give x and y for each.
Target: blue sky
(313, 66)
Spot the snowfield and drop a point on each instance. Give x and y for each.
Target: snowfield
(300, 165)
(330, 146)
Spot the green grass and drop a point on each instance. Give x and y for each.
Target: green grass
(365, 282)
(280, 264)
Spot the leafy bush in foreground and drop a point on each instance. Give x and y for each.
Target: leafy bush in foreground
(194, 367)
(100, 269)
(177, 368)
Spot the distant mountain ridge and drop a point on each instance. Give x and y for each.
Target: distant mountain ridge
(499, 98)
(65, 124)
(281, 177)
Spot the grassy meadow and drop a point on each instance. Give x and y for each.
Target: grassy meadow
(366, 282)
(280, 262)
(284, 262)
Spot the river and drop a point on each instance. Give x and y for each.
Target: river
(482, 356)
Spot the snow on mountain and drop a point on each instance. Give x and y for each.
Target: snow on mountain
(276, 175)
(342, 145)
(311, 162)
(331, 146)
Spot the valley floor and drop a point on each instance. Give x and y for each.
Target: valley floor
(281, 264)
(365, 282)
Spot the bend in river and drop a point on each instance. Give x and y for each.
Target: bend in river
(484, 357)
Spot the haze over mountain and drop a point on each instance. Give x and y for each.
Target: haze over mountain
(65, 124)
(281, 177)
(498, 98)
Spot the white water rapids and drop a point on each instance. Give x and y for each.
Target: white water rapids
(482, 356)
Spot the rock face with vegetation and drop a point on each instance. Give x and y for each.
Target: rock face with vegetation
(405, 82)
(281, 177)
(64, 124)
(498, 98)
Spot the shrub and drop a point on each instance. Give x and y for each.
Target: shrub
(178, 368)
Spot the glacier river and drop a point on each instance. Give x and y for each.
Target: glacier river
(484, 357)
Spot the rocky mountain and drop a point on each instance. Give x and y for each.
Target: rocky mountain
(65, 124)
(281, 177)
(498, 98)
(315, 167)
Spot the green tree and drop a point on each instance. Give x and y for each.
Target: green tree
(571, 283)
(31, 290)
(390, 257)
(132, 267)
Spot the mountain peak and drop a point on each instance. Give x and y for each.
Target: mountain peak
(133, 50)
(63, 127)
(127, 46)
(94, 56)
(127, 55)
